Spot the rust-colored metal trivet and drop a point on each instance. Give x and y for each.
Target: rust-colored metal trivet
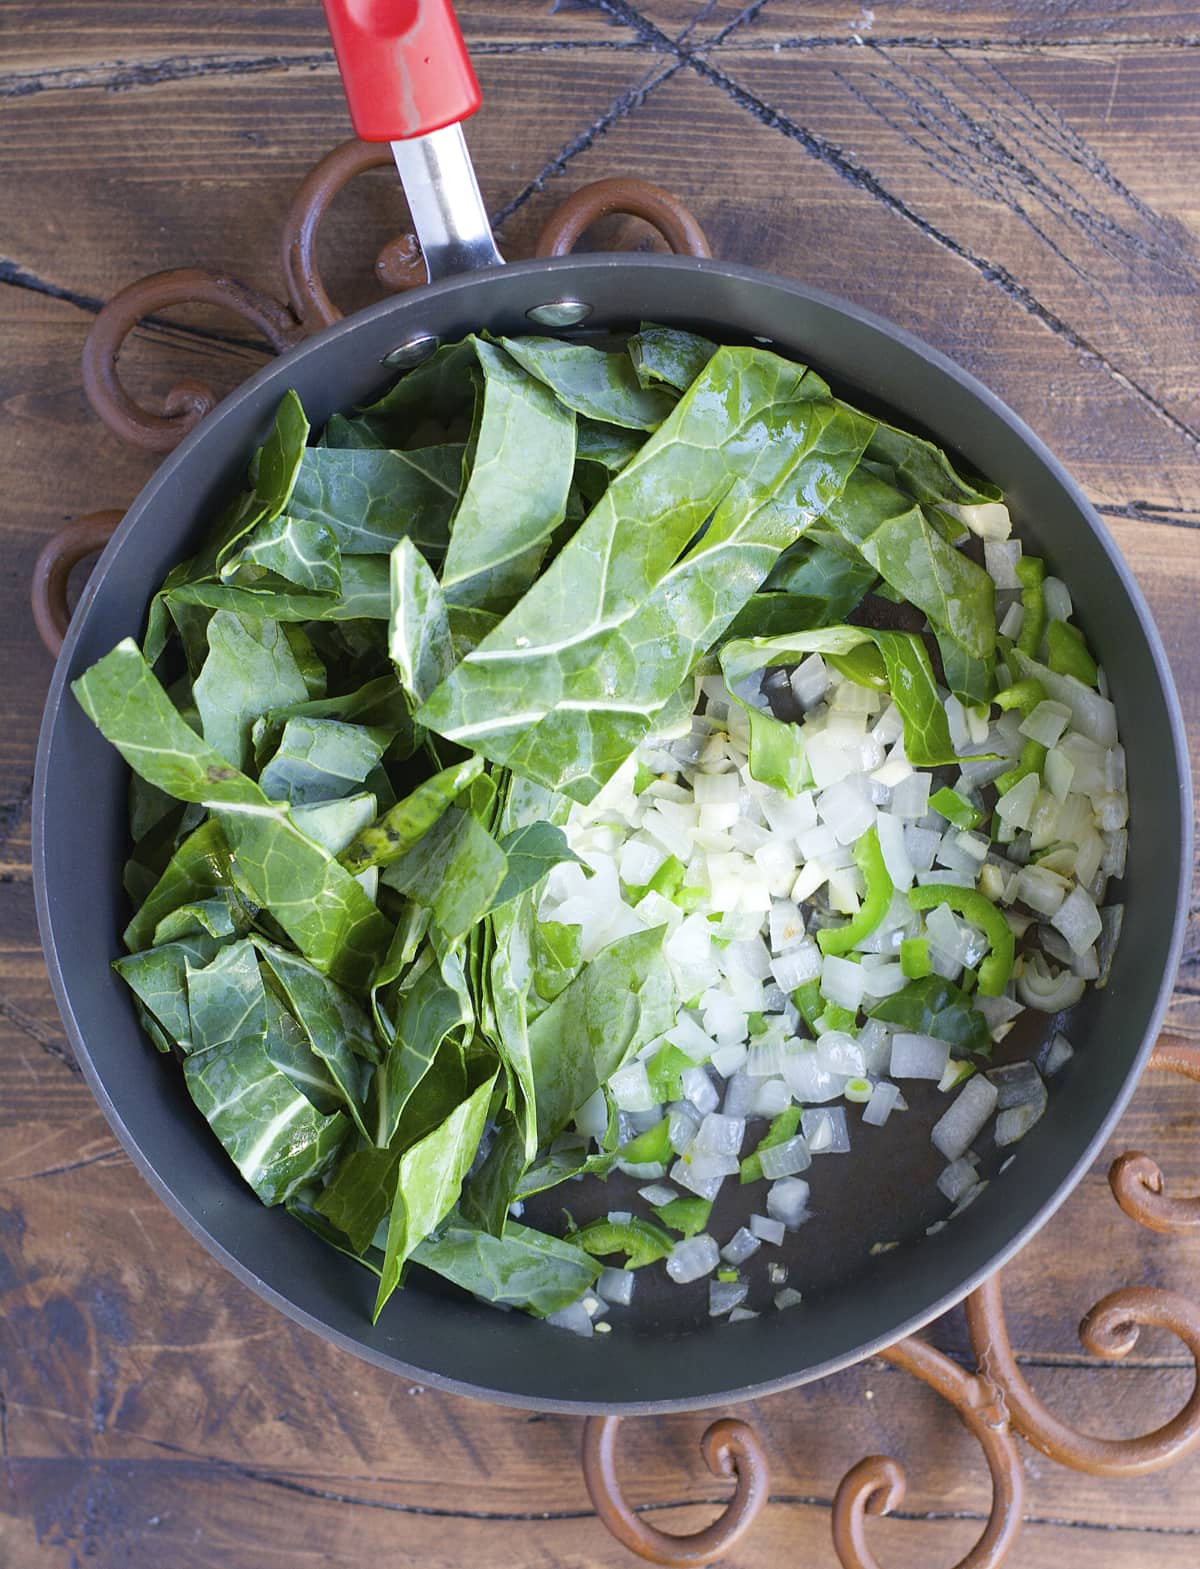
(994, 1402)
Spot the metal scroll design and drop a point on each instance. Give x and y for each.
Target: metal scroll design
(729, 1447)
(877, 1485)
(1137, 1181)
(398, 267)
(1109, 1330)
(82, 537)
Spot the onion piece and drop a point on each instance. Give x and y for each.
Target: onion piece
(787, 1201)
(693, 1258)
(767, 1229)
(960, 1125)
(918, 1057)
(616, 1285)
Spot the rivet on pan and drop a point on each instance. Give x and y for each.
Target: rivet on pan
(412, 351)
(559, 313)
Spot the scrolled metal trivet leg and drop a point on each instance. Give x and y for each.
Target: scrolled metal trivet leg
(730, 1448)
(1137, 1181)
(1110, 1330)
(877, 1485)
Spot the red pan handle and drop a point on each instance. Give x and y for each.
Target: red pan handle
(404, 66)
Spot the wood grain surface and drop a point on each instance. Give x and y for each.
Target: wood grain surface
(1014, 181)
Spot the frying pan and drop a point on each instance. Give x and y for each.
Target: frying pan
(668, 1355)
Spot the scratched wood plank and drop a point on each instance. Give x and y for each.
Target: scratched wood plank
(56, 45)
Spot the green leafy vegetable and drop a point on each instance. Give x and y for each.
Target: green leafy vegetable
(523, 1269)
(602, 386)
(509, 508)
(669, 355)
(369, 500)
(320, 760)
(430, 1179)
(935, 1006)
(563, 689)
(271, 1131)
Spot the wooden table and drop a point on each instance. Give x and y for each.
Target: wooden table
(1015, 183)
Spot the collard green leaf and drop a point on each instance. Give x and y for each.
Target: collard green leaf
(280, 457)
(914, 691)
(936, 1006)
(220, 917)
(572, 679)
(431, 1010)
(158, 978)
(251, 666)
(406, 823)
(271, 1131)
(359, 1194)
(379, 704)
(899, 541)
(468, 628)
(332, 1082)
(614, 1006)
(429, 1180)
(286, 551)
(329, 1016)
(830, 585)
(599, 385)
(198, 870)
(531, 852)
(524, 1269)
(364, 596)
(669, 355)
(370, 499)
(226, 1000)
(925, 471)
(333, 824)
(419, 630)
(510, 506)
(440, 388)
(454, 870)
(317, 902)
(321, 760)
(972, 680)
(126, 702)
(608, 447)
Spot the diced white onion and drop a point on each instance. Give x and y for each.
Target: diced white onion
(825, 1129)
(1078, 920)
(767, 1229)
(1000, 557)
(630, 1087)
(884, 1099)
(787, 1201)
(787, 1159)
(1047, 722)
(574, 1317)
(956, 1178)
(693, 1258)
(616, 1285)
(802, 962)
(961, 1123)
(843, 981)
(725, 1295)
(720, 1135)
(918, 1057)
(702, 1187)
